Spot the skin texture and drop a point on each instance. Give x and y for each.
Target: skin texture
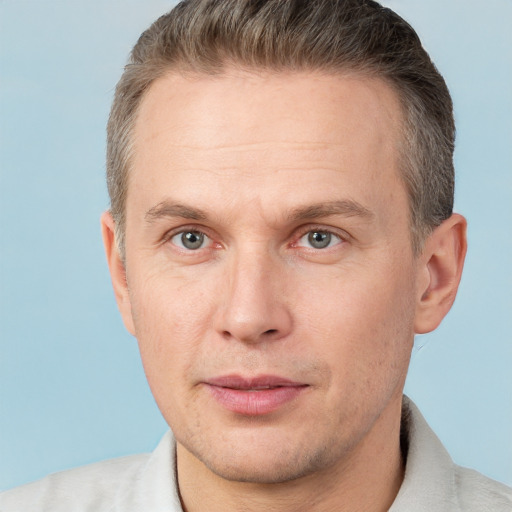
(255, 161)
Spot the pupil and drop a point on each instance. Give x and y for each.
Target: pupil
(192, 239)
(319, 239)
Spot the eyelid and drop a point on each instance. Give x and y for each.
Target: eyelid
(205, 240)
(304, 230)
(298, 234)
(169, 235)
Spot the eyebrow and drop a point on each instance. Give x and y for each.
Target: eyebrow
(345, 207)
(168, 209)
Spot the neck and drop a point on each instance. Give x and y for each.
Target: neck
(367, 479)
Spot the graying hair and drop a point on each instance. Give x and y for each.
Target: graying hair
(332, 36)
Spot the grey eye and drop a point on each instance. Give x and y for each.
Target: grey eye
(190, 240)
(319, 239)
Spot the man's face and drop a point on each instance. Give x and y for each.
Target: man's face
(270, 275)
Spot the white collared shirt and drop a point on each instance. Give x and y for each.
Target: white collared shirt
(147, 483)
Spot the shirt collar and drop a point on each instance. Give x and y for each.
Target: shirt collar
(429, 482)
(154, 487)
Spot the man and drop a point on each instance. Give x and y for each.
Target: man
(281, 226)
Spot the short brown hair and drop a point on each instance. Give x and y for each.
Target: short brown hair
(206, 36)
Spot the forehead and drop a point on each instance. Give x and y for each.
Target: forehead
(192, 105)
(254, 134)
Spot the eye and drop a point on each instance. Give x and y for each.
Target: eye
(190, 240)
(318, 239)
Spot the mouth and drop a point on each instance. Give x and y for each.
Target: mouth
(254, 396)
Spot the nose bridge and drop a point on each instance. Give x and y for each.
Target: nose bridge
(253, 307)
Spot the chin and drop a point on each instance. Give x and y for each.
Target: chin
(272, 472)
(266, 466)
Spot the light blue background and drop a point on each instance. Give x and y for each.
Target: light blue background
(72, 387)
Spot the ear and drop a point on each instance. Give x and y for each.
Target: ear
(117, 271)
(441, 261)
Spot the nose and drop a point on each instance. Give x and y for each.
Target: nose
(253, 306)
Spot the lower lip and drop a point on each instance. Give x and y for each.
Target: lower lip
(255, 403)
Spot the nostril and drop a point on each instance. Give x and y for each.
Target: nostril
(270, 331)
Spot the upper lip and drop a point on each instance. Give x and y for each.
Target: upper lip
(257, 382)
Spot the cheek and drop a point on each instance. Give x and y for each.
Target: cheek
(171, 320)
(363, 319)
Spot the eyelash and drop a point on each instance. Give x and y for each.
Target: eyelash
(329, 232)
(184, 229)
(341, 236)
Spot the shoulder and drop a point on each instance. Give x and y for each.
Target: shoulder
(88, 488)
(479, 493)
(128, 484)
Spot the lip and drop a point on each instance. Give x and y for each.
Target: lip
(254, 396)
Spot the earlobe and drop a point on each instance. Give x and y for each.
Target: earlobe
(442, 261)
(117, 270)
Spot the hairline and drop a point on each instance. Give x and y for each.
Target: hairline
(161, 69)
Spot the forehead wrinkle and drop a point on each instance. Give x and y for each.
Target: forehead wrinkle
(296, 145)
